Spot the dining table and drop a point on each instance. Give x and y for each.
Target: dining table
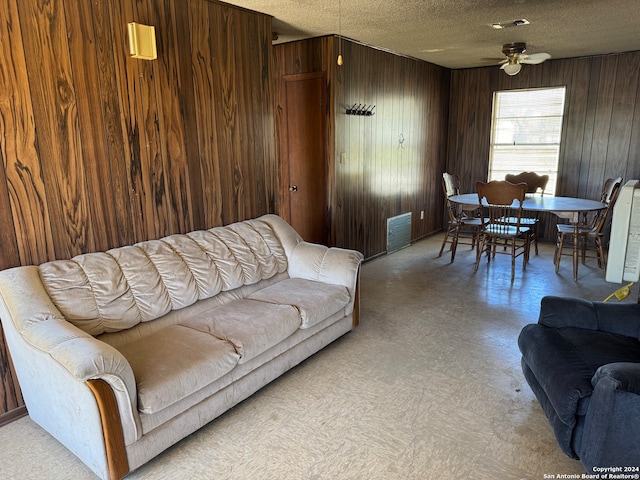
(571, 208)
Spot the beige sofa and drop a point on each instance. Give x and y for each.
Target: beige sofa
(121, 354)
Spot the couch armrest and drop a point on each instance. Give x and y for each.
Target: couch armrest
(330, 265)
(619, 318)
(38, 334)
(624, 376)
(611, 435)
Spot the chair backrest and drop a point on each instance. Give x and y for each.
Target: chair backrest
(610, 189)
(609, 195)
(451, 186)
(532, 179)
(498, 198)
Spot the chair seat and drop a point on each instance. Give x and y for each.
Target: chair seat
(569, 229)
(475, 222)
(527, 221)
(505, 231)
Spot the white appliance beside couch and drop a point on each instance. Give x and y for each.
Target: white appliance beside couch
(121, 354)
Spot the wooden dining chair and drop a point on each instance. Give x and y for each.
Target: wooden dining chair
(461, 228)
(502, 223)
(608, 189)
(534, 183)
(590, 234)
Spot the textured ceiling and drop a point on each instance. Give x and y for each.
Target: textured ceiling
(457, 33)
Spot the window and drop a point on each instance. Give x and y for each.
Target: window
(525, 134)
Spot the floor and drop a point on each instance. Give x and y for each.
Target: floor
(428, 386)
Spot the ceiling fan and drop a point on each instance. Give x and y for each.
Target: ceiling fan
(516, 56)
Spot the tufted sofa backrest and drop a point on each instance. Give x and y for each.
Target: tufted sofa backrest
(115, 290)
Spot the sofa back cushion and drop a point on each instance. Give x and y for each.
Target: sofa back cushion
(115, 290)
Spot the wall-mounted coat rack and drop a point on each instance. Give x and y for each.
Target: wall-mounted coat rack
(360, 109)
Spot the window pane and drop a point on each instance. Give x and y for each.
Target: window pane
(526, 133)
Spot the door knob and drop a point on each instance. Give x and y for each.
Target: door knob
(293, 188)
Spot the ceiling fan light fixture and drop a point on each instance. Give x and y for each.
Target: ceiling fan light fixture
(512, 68)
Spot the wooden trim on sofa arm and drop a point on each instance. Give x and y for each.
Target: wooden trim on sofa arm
(356, 303)
(13, 415)
(117, 460)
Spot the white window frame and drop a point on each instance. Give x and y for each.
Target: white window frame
(526, 131)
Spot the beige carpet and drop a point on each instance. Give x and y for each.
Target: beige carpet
(428, 387)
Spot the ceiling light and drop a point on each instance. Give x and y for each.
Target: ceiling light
(512, 68)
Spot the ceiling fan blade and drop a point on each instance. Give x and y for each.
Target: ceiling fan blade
(491, 61)
(534, 58)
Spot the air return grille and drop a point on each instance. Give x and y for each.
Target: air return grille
(398, 232)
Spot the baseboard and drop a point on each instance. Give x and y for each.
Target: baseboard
(13, 415)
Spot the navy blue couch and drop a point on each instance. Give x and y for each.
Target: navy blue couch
(582, 361)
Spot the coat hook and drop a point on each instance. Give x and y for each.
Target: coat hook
(360, 109)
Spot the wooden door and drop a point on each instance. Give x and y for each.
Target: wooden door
(305, 97)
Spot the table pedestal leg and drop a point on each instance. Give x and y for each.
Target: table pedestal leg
(575, 251)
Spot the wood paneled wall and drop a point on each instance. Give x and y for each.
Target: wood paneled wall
(600, 132)
(101, 150)
(395, 158)
(386, 164)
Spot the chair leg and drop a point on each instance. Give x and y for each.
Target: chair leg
(444, 241)
(558, 252)
(454, 243)
(601, 262)
(492, 244)
(480, 247)
(513, 259)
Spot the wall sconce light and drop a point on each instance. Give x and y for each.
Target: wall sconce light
(142, 41)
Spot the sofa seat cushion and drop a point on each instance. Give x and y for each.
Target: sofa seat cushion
(175, 362)
(314, 300)
(564, 360)
(252, 327)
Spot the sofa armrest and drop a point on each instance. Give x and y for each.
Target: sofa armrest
(619, 318)
(330, 265)
(37, 333)
(611, 435)
(624, 376)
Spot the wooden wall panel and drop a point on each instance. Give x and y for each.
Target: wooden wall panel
(101, 150)
(393, 158)
(55, 110)
(25, 214)
(205, 113)
(600, 130)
